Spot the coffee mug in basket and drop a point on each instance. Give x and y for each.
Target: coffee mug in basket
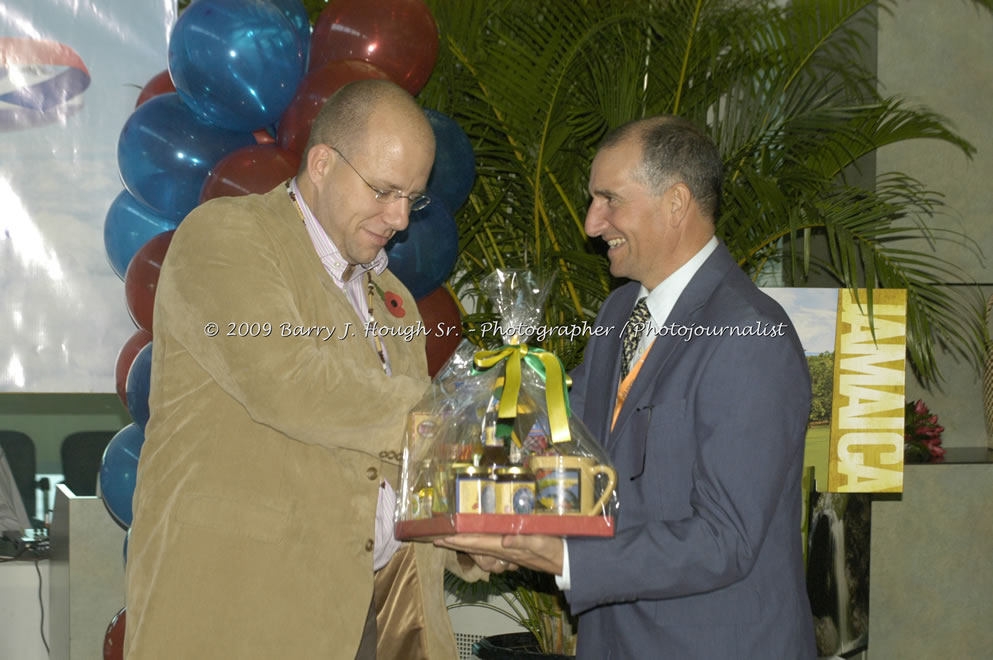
(565, 484)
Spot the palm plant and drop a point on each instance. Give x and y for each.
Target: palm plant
(782, 90)
(534, 603)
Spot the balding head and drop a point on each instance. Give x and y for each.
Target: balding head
(370, 153)
(361, 107)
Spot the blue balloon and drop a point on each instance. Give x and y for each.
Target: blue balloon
(137, 385)
(165, 152)
(237, 63)
(118, 472)
(129, 225)
(422, 256)
(454, 169)
(296, 13)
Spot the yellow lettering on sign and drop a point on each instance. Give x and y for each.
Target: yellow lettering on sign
(867, 422)
(867, 479)
(861, 333)
(888, 446)
(866, 401)
(867, 366)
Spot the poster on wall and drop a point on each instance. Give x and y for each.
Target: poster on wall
(70, 73)
(857, 373)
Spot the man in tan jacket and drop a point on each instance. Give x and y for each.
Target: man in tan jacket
(276, 418)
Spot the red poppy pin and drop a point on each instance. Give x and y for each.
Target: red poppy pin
(393, 302)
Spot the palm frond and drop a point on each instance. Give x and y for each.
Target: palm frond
(782, 90)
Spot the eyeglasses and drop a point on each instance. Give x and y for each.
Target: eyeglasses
(417, 202)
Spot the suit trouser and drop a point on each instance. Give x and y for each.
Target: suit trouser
(367, 647)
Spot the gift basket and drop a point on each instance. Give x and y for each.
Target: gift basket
(492, 447)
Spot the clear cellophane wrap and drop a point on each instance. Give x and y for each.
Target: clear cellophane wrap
(494, 433)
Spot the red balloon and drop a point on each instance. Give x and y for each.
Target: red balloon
(254, 169)
(160, 83)
(142, 277)
(444, 327)
(124, 359)
(398, 36)
(316, 88)
(262, 137)
(113, 640)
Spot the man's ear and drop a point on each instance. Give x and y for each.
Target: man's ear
(319, 161)
(680, 199)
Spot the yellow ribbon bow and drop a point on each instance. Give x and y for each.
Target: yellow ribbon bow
(546, 365)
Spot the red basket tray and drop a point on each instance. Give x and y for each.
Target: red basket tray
(503, 523)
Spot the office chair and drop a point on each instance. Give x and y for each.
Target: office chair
(82, 454)
(20, 452)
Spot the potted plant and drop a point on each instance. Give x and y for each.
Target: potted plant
(534, 603)
(922, 434)
(783, 90)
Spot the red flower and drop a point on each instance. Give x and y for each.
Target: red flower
(394, 304)
(922, 434)
(934, 447)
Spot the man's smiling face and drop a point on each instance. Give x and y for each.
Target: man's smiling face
(629, 216)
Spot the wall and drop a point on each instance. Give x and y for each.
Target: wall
(929, 590)
(940, 54)
(930, 568)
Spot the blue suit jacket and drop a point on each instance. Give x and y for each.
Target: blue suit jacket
(707, 558)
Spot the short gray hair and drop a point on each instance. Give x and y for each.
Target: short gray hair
(674, 150)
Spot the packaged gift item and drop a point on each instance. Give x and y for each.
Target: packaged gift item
(493, 447)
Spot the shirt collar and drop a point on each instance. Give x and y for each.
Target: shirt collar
(330, 256)
(663, 297)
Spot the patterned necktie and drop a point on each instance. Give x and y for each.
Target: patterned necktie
(631, 336)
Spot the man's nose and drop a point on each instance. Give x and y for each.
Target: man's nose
(398, 214)
(594, 224)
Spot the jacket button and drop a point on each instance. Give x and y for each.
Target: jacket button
(372, 473)
(369, 544)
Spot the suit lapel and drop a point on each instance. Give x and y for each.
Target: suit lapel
(693, 297)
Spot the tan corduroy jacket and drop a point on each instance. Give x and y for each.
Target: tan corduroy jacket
(257, 484)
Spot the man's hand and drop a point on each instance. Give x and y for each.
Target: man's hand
(492, 564)
(541, 553)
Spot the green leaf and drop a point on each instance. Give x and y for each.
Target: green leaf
(784, 92)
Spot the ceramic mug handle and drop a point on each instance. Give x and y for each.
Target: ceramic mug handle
(608, 491)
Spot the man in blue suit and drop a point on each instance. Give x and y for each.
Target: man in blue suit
(703, 415)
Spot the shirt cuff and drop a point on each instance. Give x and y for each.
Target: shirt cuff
(563, 581)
